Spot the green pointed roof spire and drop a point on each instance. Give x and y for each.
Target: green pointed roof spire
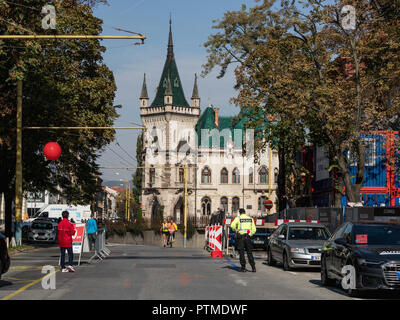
(170, 72)
(195, 94)
(144, 94)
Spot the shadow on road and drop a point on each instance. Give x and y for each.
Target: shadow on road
(237, 269)
(278, 265)
(376, 294)
(156, 257)
(4, 283)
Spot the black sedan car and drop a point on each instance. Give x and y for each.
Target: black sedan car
(4, 257)
(259, 240)
(363, 256)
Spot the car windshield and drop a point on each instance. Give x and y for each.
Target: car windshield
(38, 225)
(377, 235)
(308, 233)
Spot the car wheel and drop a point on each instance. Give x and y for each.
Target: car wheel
(352, 292)
(286, 265)
(326, 281)
(271, 261)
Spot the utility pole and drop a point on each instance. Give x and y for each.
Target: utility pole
(185, 209)
(18, 168)
(126, 200)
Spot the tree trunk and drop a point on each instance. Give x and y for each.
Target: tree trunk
(8, 198)
(352, 190)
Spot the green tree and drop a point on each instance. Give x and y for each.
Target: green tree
(293, 63)
(138, 176)
(65, 83)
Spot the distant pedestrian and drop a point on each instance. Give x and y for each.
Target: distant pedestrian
(165, 232)
(66, 230)
(172, 227)
(245, 228)
(91, 228)
(72, 221)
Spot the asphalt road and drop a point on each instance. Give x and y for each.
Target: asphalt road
(155, 273)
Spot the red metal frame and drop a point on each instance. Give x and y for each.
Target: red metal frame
(390, 188)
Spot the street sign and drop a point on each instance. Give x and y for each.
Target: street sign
(268, 204)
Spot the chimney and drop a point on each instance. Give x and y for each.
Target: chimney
(216, 110)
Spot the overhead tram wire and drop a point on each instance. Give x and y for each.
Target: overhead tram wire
(117, 143)
(116, 153)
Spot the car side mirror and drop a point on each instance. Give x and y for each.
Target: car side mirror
(281, 236)
(341, 241)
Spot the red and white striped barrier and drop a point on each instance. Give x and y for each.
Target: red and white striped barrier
(280, 221)
(213, 240)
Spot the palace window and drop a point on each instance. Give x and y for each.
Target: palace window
(236, 176)
(181, 175)
(206, 206)
(263, 175)
(206, 175)
(224, 204)
(224, 175)
(235, 204)
(251, 175)
(261, 206)
(152, 175)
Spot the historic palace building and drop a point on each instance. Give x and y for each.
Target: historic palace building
(219, 174)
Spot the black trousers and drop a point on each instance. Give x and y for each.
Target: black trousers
(244, 244)
(92, 240)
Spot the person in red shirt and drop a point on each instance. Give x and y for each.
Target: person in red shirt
(65, 232)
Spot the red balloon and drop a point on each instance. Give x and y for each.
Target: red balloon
(52, 150)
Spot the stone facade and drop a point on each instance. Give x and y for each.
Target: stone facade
(218, 174)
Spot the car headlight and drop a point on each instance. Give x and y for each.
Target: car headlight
(298, 250)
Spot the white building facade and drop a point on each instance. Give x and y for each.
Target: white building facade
(219, 174)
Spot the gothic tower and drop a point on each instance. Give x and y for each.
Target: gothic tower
(170, 136)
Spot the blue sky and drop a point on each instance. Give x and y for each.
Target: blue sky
(191, 26)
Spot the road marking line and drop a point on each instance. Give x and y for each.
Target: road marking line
(17, 279)
(28, 285)
(292, 272)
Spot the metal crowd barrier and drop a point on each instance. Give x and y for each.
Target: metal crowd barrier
(101, 251)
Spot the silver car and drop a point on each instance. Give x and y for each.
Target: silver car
(297, 244)
(42, 231)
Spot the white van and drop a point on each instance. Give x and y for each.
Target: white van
(78, 213)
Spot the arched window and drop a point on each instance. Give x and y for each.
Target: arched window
(263, 175)
(251, 175)
(276, 173)
(152, 175)
(181, 175)
(224, 175)
(235, 204)
(206, 175)
(206, 206)
(236, 176)
(224, 204)
(261, 206)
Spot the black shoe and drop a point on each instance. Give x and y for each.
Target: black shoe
(253, 269)
(243, 269)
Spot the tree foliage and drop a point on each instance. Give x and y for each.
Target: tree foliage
(324, 84)
(65, 83)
